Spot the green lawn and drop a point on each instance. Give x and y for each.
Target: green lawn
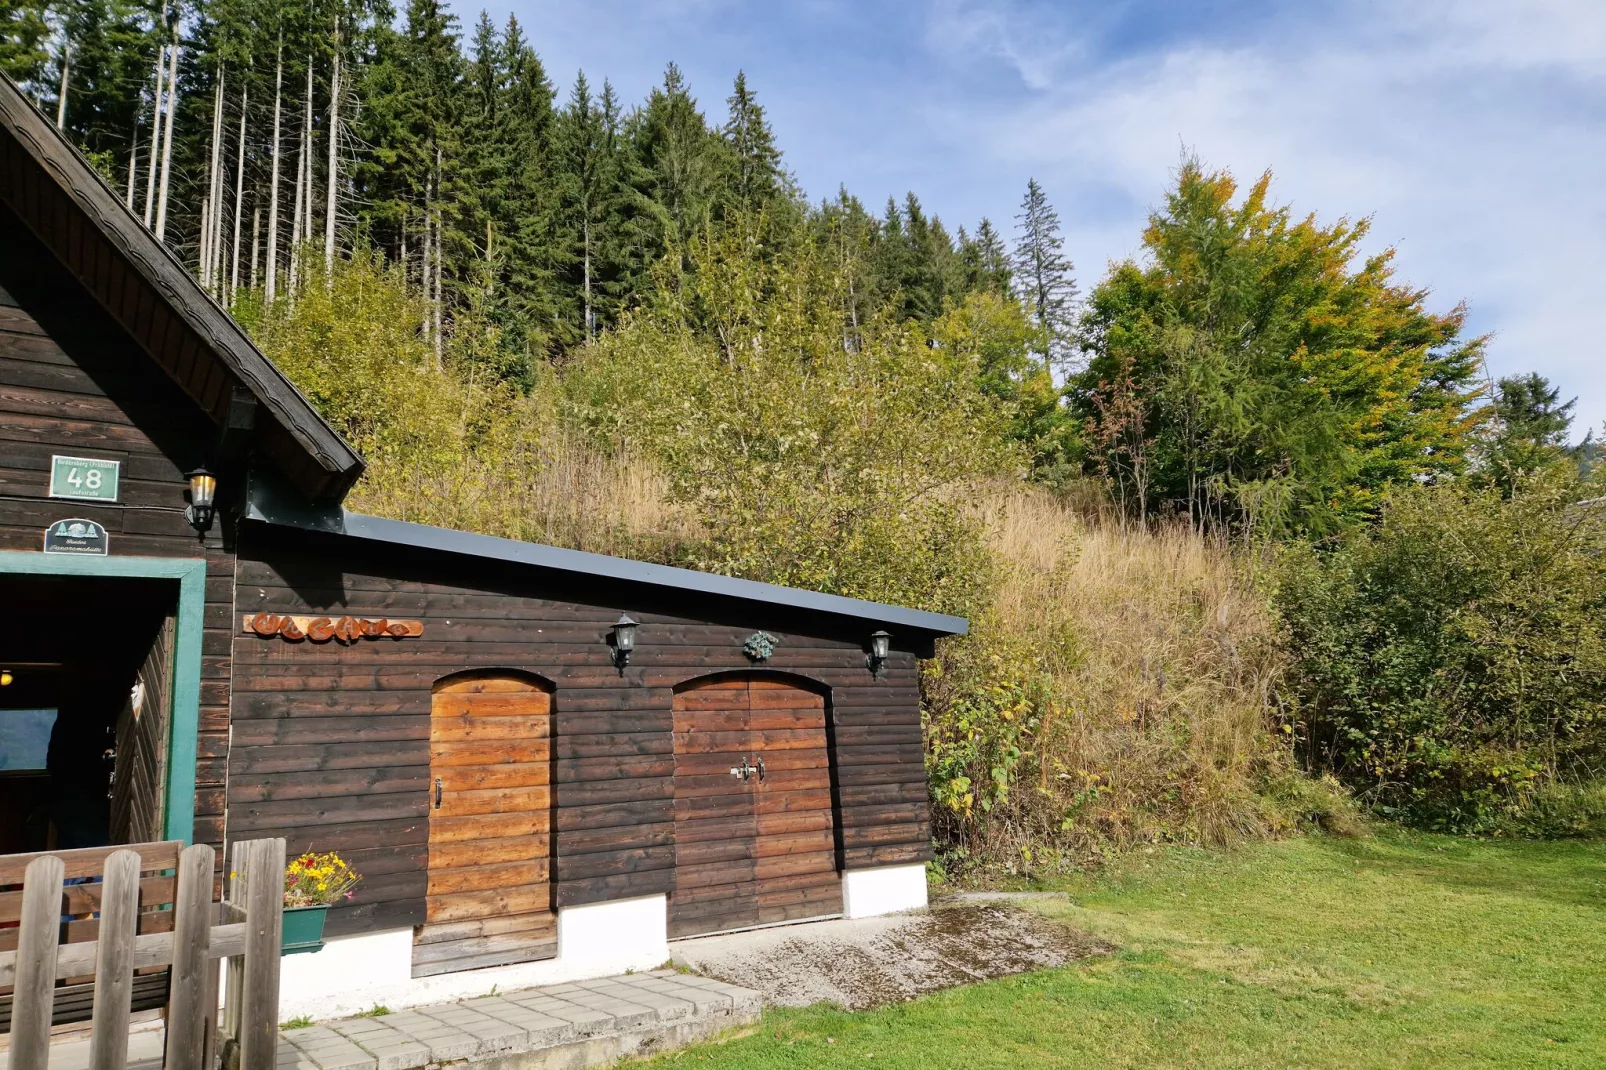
(1398, 951)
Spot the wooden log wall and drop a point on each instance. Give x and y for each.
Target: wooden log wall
(73, 381)
(331, 741)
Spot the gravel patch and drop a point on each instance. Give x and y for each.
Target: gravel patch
(870, 962)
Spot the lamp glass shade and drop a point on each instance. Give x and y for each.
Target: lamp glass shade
(624, 635)
(880, 645)
(203, 488)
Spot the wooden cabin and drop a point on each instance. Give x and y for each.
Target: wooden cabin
(546, 764)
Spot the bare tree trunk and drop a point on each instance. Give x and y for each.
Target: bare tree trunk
(167, 138)
(156, 138)
(133, 162)
(273, 183)
(423, 264)
(256, 244)
(214, 189)
(306, 129)
(221, 167)
(295, 215)
(239, 195)
(438, 259)
(333, 175)
(585, 226)
(61, 97)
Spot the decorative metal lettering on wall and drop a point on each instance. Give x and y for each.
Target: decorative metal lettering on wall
(323, 629)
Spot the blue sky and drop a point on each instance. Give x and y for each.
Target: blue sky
(1472, 131)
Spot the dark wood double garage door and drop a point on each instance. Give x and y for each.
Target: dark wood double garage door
(755, 836)
(754, 828)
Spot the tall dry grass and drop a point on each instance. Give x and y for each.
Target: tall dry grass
(1150, 664)
(545, 485)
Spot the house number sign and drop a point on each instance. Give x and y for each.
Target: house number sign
(323, 629)
(84, 477)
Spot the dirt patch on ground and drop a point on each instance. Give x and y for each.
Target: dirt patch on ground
(875, 961)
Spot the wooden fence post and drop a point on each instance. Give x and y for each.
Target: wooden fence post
(114, 962)
(34, 994)
(192, 940)
(264, 912)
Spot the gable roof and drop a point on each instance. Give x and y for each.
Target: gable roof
(60, 198)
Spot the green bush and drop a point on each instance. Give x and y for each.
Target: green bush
(1450, 663)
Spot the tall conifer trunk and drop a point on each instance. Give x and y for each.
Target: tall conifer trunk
(156, 136)
(167, 137)
(214, 191)
(333, 175)
(439, 258)
(61, 97)
(133, 164)
(306, 149)
(256, 243)
(272, 264)
(239, 194)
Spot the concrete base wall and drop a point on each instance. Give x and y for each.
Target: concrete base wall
(884, 890)
(352, 974)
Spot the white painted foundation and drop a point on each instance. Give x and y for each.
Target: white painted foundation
(884, 890)
(353, 973)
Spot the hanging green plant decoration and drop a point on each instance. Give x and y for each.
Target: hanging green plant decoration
(759, 646)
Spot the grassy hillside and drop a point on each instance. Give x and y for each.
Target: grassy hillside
(1404, 950)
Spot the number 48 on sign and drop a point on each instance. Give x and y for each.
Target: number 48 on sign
(83, 477)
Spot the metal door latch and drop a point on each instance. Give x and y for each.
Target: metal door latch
(437, 793)
(761, 769)
(744, 770)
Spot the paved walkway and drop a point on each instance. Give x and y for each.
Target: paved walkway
(582, 1024)
(586, 1023)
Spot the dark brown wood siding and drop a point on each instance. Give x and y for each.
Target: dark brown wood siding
(331, 742)
(72, 381)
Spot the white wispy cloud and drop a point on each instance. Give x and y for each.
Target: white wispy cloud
(1471, 131)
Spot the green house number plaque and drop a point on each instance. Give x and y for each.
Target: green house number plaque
(84, 477)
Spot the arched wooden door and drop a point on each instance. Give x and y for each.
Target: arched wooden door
(489, 900)
(755, 831)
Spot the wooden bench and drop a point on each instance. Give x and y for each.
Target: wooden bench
(74, 996)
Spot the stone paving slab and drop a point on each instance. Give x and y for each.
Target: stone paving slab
(584, 1023)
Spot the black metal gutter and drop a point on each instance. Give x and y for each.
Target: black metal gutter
(269, 504)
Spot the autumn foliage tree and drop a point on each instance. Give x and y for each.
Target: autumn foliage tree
(1260, 373)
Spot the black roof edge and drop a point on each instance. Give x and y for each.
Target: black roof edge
(268, 503)
(66, 166)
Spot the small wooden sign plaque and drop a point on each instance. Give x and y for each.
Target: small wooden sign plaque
(323, 629)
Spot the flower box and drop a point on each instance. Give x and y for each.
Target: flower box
(303, 929)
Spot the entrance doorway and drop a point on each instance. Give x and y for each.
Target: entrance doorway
(755, 825)
(489, 900)
(86, 671)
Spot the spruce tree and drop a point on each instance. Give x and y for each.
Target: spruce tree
(1044, 273)
(755, 182)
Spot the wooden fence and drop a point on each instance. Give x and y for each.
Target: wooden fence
(243, 928)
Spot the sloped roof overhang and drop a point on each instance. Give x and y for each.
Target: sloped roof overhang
(61, 199)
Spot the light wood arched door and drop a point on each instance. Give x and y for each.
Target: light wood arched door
(755, 827)
(489, 900)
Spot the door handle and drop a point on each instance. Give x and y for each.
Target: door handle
(437, 793)
(761, 769)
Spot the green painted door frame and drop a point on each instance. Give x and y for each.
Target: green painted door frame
(190, 573)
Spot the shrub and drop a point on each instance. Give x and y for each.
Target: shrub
(1451, 662)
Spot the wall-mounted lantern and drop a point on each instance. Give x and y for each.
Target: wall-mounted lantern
(624, 641)
(880, 647)
(203, 493)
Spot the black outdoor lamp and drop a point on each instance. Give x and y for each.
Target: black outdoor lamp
(880, 647)
(624, 641)
(203, 492)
